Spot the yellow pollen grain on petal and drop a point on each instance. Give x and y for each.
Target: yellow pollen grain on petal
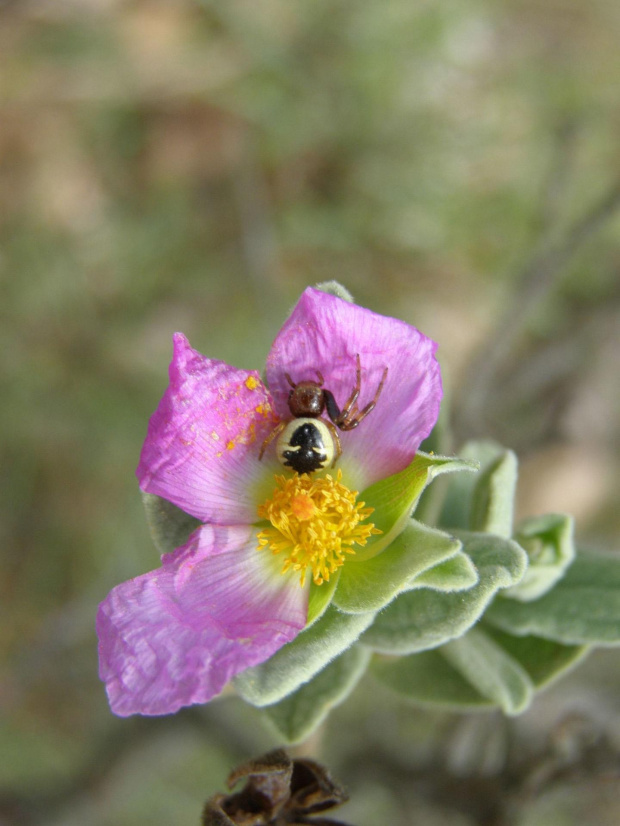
(230, 444)
(314, 523)
(252, 383)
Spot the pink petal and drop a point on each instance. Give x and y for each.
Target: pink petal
(202, 445)
(177, 635)
(325, 333)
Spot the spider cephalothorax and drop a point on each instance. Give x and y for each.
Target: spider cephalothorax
(307, 442)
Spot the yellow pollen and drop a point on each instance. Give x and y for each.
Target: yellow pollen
(251, 383)
(303, 507)
(314, 524)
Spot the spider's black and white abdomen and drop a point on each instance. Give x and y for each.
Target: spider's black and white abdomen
(306, 445)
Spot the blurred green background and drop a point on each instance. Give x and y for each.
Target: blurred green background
(182, 165)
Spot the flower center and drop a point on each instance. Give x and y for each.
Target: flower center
(314, 524)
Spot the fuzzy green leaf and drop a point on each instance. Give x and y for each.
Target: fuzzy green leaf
(458, 504)
(490, 670)
(394, 499)
(170, 527)
(455, 574)
(583, 607)
(493, 496)
(371, 584)
(297, 716)
(548, 542)
(298, 661)
(429, 679)
(544, 660)
(425, 618)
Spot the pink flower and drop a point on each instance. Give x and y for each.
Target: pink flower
(222, 602)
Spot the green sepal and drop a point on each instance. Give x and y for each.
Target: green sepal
(299, 660)
(455, 574)
(548, 542)
(371, 584)
(425, 618)
(484, 502)
(428, 679)
(335, 288)
(582, 609)
(394, 499)
(299, 714)
(170, 527)
(320, 597)
(490, 670)
(544, 660)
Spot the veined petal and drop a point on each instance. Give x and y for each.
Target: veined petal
(177, 635)
(202, 446)
(325, 334)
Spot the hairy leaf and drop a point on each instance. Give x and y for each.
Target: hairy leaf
(425, 618)
(482, 494)
(490, 670)
(493, 496)
(582, 608)
(455, 574)
(296, 717)
(371, 584)
(548, 542)
(170, 527)
(298, 661)
(428, 678)
(544, 660)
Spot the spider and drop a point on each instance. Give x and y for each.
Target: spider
(306, 442)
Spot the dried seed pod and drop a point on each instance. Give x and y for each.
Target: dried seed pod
(279, 791)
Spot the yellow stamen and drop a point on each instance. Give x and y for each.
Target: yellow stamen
(303, 507)
(314, 523)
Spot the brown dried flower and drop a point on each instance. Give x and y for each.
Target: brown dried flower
(279, 791)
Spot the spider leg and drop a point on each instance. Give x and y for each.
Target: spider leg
(355, 416)
(342, 415)
(275, 432)
(336, 438)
